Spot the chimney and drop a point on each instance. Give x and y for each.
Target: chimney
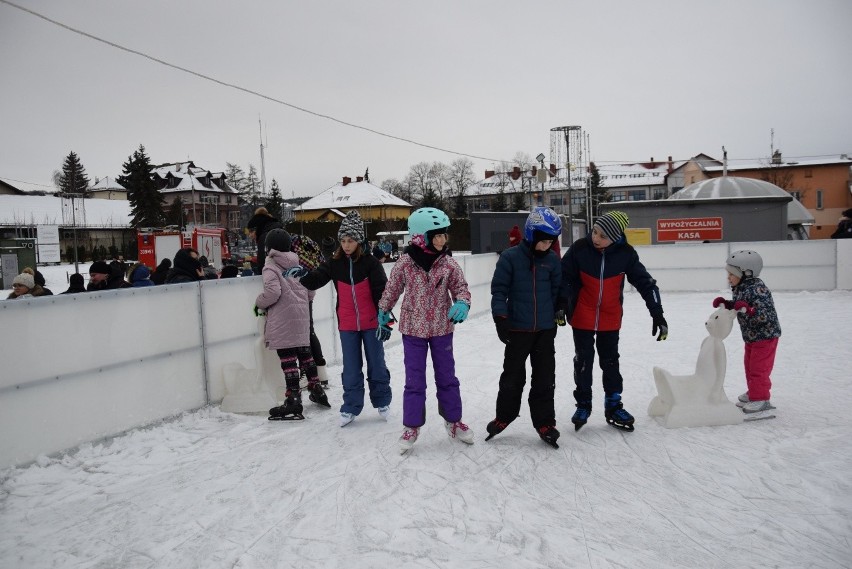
(346, 180)
(776, 157)
(489, 173)
(516, 172)
(359, 179)
(553, 169)
(671, 166)
(533, 172)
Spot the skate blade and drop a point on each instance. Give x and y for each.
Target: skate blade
(489, 437)
(622, 426)
(297, 417)
(551, 443)
(578, 426)
(759, 416)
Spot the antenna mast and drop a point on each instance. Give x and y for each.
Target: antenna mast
(262, 162)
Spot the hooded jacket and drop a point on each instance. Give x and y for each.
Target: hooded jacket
(184, 269)
(525, 288)
(288, 321)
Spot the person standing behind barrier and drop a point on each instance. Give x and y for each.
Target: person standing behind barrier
(359, 281)
(103, 277)
(76, 284)
(138, 275)
(258, 226)
(844, 226)
(186, 267)
(159, 275)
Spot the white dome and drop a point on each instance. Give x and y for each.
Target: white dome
(733, 187)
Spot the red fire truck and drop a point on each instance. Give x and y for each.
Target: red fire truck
(158, 244)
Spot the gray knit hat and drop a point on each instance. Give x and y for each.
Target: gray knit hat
(612, 224)
(352, 226)
(25, 279)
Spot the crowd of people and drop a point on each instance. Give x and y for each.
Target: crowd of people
(534, 291)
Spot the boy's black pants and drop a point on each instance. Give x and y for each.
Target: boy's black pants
(538, 346)
(584, 359)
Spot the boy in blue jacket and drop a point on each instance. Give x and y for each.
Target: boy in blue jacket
(524, 295)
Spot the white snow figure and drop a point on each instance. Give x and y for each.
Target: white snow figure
(699, 400)
(253, 390)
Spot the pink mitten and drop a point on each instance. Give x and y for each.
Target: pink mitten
(742, 307)
(718, 301)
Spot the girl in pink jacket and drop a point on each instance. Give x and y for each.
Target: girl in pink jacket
(436, 298)
(288, 326)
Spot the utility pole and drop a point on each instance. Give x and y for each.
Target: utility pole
(262, 162)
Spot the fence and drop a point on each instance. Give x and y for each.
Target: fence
(78, 368)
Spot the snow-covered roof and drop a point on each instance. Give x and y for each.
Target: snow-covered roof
(734, 187)
(767, 163)
(353, 194)
(107, 183)
(29, 211)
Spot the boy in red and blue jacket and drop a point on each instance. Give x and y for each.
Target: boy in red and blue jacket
(593, 273)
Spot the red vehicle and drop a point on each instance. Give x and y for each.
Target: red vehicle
(158, 244)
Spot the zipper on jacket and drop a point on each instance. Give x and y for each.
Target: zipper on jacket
(600, 291)
(354, 299)
(535, 300)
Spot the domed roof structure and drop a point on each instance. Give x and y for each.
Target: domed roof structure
(734, 187)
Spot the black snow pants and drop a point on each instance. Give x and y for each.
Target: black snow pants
(539, 347)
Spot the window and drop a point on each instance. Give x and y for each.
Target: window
(819, 199)
(796, 195)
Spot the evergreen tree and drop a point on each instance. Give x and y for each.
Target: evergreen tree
(273, 203)
(252, 189)
(519, 201)
(73, 179)
(499, 203)
(146, 201)
(599, 194)
(174, 213)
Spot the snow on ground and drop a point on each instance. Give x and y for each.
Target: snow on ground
(211, 489)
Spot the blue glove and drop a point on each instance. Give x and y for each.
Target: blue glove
(295, 272)
(458, 312)
(386, 321)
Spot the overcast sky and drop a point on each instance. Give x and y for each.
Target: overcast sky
(487, 78)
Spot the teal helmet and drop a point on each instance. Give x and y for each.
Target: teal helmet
(427, 219)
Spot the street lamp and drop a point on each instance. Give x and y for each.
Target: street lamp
(542, 175)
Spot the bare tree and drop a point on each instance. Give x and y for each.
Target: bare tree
(461, 177)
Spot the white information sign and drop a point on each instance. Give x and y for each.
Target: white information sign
(48, 244)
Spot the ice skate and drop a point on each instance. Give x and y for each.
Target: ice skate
(460, 431)
(615, 413)
(384, 412)
(742, 399)
(581, 417)
(757, 406)
(549, 434)
(495, 427)
(291, 410)
(346, 418)
(408, 438)
(317, 395)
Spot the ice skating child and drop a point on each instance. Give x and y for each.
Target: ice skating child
(524, 297)
(287, 329)
(436, 298)
(359, 280)
(758, 323)
(593, 273)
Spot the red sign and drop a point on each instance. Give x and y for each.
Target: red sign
(690, 229)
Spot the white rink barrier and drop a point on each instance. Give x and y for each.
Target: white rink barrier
(80, 368)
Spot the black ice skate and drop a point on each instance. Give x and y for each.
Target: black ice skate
(317, 395)
(495, 427)
(291, 410)
(549, 434)
(619, 418)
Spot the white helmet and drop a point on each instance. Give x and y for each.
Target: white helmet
(744, 263)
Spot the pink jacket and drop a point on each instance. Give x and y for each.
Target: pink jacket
(428, 296)
(288, 323)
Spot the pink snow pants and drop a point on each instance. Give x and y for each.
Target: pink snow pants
(759, 359)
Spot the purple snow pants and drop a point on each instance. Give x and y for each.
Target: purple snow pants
(446, 382)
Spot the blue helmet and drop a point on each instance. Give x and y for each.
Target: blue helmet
(542, 219)
(427, 219)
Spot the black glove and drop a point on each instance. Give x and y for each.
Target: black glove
(502, 324)
(560, 318)
(259, 311)
(662, 326)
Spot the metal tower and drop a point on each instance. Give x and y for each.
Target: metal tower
(566, 153)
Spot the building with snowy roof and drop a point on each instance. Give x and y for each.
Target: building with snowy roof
(725, 209)
(371, 202)
(107, 188)
(207, 198)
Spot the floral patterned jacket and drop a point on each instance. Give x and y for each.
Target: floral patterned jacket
(428, 295)
(763, 324)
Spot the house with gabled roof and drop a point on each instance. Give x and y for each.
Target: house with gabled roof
(206, 196)
(371, 202)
